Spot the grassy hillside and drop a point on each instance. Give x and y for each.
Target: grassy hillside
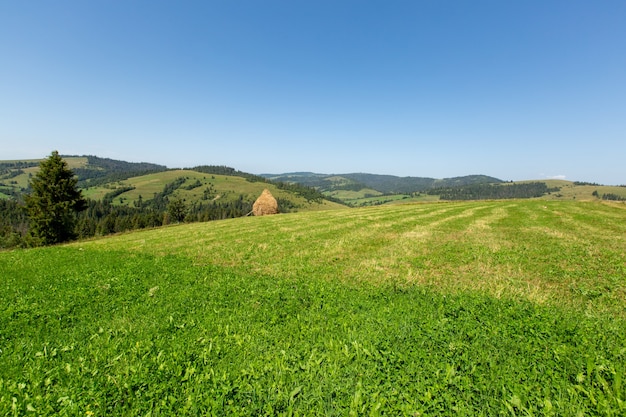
(479, 308)
(100, 176)
(15, 180)
(572, 191)
(198, 186)
(15, 175)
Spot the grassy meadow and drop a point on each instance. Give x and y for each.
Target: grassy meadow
(513, 307)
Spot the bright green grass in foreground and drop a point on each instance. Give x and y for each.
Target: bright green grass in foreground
(319, 315)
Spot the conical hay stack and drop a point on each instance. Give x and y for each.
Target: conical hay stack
(266, 204)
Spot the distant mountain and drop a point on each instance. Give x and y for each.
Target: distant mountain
(385, 184)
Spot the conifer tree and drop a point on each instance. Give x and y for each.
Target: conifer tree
(177, 210)
(54, 201)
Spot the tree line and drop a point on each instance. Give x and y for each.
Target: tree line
(613, 197)
(494, 191)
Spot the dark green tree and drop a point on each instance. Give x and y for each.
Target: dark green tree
(177, 210)
(54, 201)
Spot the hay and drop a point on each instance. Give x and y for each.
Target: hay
(265, 205)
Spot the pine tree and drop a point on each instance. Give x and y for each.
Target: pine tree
(54, 201)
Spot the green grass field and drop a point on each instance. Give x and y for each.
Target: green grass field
(474, 308)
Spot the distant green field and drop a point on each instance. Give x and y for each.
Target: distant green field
(353, 197)
(369, 197)
(396, 199)
(474, 308)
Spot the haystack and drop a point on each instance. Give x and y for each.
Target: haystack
(266, 204)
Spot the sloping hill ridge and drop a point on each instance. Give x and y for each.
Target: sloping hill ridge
(103, 170)
(386, 184)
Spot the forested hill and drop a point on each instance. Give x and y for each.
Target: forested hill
(386, 184)
(99, 171)
(117, 166)
(393, 184)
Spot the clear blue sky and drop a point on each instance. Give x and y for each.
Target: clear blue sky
(437, 88)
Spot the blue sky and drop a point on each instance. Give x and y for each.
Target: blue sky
(434, 88)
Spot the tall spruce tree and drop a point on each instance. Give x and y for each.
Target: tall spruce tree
(54, 201)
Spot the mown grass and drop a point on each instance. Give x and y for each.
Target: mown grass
(563, 253)
(490, 308)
